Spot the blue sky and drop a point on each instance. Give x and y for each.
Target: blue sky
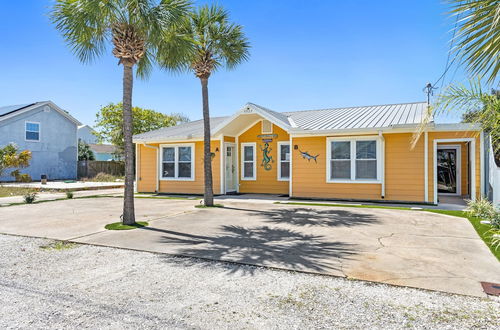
(305, 55)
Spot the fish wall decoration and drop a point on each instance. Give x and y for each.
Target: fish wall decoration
(308, 156)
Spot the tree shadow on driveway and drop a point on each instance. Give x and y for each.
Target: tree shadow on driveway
(262, 246)
(302, 216)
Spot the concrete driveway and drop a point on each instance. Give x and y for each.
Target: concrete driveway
(409, 248)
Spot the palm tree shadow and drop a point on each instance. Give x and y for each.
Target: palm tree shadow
(262, 246)
(318, 217)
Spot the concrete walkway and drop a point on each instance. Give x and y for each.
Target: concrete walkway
(65, 186)
(48, 196)
(408, 248)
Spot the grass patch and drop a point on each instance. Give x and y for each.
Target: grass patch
(482, 230)
(104, 177)
(202, 206)
(58, 246)
(14, 191)
(121, 226)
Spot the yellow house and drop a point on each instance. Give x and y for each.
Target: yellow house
(358, 153)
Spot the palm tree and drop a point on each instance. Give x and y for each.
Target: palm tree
(203, 43)
(477, 36)
(134, 28)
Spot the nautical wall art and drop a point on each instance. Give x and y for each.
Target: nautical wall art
(308, 156)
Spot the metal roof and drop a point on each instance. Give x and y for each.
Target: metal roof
(183, 131)
(365, 117)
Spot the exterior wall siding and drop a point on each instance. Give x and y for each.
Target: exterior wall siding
(148, 169)
(266, 181)
(55, 154)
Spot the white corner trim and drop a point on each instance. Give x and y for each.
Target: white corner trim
(482, 184)
(222, 163)
(243, 145)
(290, 181)
(426, 167)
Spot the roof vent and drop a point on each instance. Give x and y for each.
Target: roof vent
(267, 127)
(46, 108)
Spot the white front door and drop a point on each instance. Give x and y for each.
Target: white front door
(230, 168)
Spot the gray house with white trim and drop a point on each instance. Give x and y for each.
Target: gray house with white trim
(49, 132)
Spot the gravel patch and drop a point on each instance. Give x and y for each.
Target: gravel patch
(85, 286)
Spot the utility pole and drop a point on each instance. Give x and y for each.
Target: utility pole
(429, 90)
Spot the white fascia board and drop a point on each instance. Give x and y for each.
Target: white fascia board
(250, 108)
(41, 104)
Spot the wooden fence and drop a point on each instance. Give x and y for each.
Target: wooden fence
(90, 168)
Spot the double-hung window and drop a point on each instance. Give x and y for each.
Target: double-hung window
(248, 161)
(177, 162)
(353, 160)
(32, 131)
(284, 161)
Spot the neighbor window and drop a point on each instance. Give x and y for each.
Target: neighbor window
(248, 161)
(32, 131)
(177, 162)
(284, 161)
(352, 160)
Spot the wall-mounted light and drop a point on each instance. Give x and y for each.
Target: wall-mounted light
(295, 147)
(217, 149)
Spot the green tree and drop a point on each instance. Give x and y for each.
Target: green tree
(477, 36)
(11, 157)
(84, 151)
(109, 122)
(204, 42)
(133, 27)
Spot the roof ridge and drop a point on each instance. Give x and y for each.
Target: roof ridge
(354, 107)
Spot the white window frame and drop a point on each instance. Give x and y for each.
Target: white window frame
(39, 130)
(176, 163)
(282, 143)
(353, 140)
(242, 148)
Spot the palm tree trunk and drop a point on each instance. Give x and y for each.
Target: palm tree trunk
(128, 200)
(209, 194)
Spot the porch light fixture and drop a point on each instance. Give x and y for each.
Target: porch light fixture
(295, 147)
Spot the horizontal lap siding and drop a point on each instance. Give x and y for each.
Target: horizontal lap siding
(309, 177)
(147, 169)
(404, 168)
(229, 139)
(148, 172)
(267, 181)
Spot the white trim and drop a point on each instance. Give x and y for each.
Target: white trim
(41, 104)
(482, 184)
(242, 146)
(26, 122)
(282, 143)
(137, 163)
(222, 147)
(290, 185)
(382, 166)
(472, 162)
(458, 151)
(426, 167)
(352, 140)
(176, 162)
(235, 163)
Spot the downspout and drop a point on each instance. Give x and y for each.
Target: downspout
(381, 136)
(158, 167)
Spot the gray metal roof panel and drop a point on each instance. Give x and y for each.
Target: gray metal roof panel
(192, 128)
(11, 108)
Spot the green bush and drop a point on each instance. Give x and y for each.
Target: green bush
(481, 208)
(69, 194)
(30, 197)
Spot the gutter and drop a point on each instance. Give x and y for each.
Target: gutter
(157, 164)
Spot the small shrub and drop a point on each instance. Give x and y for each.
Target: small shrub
(495, 238)
(69, 194)
(104, 177)
(481, 208)
(29, 197)
(21, 177)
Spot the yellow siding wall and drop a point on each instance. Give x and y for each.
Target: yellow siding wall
(309, 177)
(454, 135)
(148, 170)
(404, 168)
(229, 139)
(267, 181)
